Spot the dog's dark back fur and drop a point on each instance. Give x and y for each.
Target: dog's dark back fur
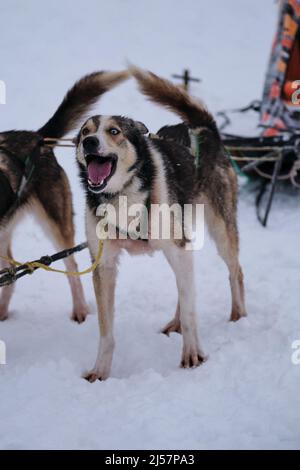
(179, 165)
(178, 133)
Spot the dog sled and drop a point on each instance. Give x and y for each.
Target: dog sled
(274, 155)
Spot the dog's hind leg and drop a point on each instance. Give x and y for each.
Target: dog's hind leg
(226, 238)
(181, 261)
(54, 211)
(6, 291)
(174, 325)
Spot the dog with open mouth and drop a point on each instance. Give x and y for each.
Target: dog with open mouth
(99, 171)
(116, 158)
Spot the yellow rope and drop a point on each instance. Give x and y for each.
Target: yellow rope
(35, 264)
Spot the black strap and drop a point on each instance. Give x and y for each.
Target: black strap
(10, 275)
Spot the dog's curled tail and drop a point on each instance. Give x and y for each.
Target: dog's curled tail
(78, 102)
(164, 92)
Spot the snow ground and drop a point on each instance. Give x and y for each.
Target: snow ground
(247, 395)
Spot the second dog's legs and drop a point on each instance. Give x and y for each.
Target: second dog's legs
(54, 212)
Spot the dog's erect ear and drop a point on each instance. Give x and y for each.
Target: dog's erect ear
(128, 125)
(141, 127)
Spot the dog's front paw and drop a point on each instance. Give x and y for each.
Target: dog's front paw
(192, 358)
(3, 314)
(79, 315)
(236, 315)
(94, 375)
(172, 327)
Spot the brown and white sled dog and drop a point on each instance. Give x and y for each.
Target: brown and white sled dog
(116, 159)
(47, 193)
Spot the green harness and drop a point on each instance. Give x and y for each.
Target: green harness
(195, 146)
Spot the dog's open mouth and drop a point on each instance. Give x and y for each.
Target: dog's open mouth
(100, 169)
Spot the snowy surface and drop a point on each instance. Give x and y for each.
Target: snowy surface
(247, 394)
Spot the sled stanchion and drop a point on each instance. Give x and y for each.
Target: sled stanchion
(277, 168)
(276, 172)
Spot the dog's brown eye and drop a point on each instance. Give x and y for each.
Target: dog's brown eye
(114, 131)
(85, 131)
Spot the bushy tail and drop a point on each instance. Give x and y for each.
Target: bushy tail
(79, 100)
(162, 91)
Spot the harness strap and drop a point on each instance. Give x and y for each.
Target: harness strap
(195, 146)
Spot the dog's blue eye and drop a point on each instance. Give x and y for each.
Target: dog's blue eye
(114, 131)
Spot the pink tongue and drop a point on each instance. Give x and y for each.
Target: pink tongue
(97, 172)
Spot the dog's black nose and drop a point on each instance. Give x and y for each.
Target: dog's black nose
(90, 144)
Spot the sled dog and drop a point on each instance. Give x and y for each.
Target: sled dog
(116, 158)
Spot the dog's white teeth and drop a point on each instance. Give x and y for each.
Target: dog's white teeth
(98, 184)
